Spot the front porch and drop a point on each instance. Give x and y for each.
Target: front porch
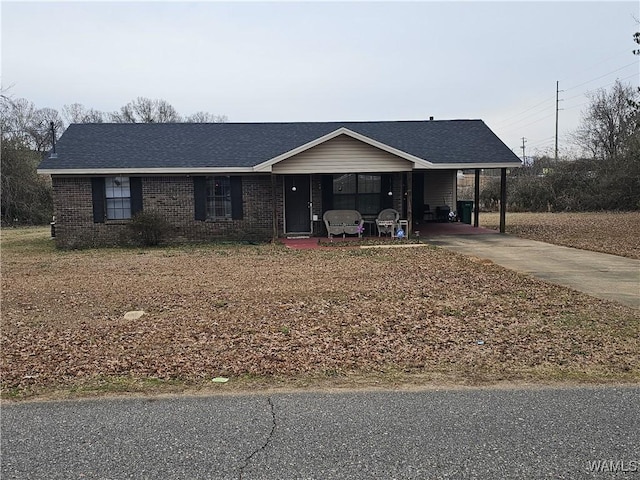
(425, 232)
(422, 198)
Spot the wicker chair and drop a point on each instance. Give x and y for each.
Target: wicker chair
(387, 221)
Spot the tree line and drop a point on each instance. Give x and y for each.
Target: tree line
(26, 136)
(605, 177)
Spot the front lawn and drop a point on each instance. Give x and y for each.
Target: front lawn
(267, 315)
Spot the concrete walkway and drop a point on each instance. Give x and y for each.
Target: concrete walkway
(598, 274)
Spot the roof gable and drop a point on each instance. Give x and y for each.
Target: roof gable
(266, 166)
(341, 154)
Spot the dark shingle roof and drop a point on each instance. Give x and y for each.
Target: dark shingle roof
(198, 145)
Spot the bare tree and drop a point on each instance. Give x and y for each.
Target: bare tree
(78, 113)
(40, 130)
(609, 123)
(146, 110)
(22, 122)
(205, 117)
(165, 113)
(26, 135)
(25, 196)
(16, 116)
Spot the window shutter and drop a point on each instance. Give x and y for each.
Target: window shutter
(236, 198)
(135, 184)
(386, 201)
(200, 197)
(98, 198)
(327, 193)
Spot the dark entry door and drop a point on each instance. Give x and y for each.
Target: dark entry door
(297, 198)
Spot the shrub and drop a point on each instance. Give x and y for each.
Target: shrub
(148, 228)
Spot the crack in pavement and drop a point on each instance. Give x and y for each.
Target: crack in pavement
(267, 441)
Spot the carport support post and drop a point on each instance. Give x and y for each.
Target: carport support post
(409, 203)
(503, 198)
(274, 219)
(476, 198)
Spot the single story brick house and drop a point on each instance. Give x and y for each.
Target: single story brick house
(258, 180)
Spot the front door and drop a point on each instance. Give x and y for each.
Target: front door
(297, 203)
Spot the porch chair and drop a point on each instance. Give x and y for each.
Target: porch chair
(428, 215)
(387, 221)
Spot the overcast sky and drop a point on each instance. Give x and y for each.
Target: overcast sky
(321, 61)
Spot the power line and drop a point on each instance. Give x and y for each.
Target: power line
(600, 62)
(602, 76)
(548, 99)
(590, 68)
(525, 111)
(601, 86)
(530, 123)
(525, 118)
(520, 127)
(544, 141)
(540, 141)
(557, 110)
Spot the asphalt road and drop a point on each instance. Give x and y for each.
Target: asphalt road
(475, 433)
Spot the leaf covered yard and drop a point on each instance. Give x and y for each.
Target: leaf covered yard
(267, 311)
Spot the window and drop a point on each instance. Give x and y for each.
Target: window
(369, 194)
(115, 198)
(218, 197)
(118, 197)
(357, 192)
(344, 191)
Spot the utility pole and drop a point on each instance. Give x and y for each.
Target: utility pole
(557, 109)
(524, 158)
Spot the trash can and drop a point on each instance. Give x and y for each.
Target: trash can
(465, 209)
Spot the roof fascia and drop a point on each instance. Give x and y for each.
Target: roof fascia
(143, 171)
(424, 165)
(466, 166)
(418, 162)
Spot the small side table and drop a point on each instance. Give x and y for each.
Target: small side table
(404, 225)
(371, 226)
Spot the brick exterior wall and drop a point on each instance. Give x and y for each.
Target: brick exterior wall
(173, 197)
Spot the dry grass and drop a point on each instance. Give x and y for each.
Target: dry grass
(264, 314)
(617, 233)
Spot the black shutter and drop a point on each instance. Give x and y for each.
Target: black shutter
(200, 197)
(98, 197)
(236, 198)
(135, 184)
(386, 200)
(327, 193)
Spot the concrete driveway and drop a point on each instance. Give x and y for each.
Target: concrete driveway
(598, 274)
